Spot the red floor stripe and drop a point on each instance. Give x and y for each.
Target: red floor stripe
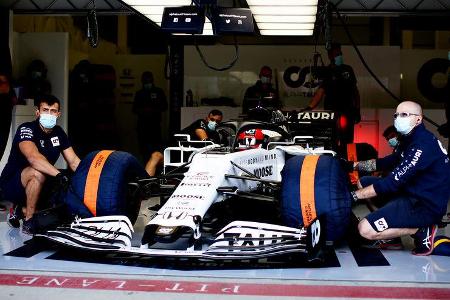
(223, 288)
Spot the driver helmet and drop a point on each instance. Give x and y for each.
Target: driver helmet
(251, 139)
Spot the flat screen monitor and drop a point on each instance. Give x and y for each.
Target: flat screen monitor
(233, 21)
(183, 19)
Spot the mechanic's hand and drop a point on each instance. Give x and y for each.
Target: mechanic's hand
(346, 164)
(62, 181)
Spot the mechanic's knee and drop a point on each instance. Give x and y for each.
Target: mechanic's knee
(33, 175)
(366, 230)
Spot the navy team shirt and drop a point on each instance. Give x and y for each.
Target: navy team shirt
(420, 169)
(50, 145)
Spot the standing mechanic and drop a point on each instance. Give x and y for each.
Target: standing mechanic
(35, 149)
(341, 94)
(262, 92)
(149, 103)
(418, 186)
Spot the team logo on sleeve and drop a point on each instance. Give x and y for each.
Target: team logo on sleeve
(55, 141)
(26, 133)
(381, 224)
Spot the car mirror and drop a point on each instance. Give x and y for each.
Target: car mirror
(182, 137)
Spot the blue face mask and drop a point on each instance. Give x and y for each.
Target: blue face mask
(148, 86)
(212, 125)
(339, 60)
(47, 121)
(403, 125)
(265, 80)
(36, 74)
(393, 142)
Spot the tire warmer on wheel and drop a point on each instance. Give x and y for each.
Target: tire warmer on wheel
(100, 185)
(316, 186)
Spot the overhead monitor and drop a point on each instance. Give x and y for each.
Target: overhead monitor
(233, 21)
(183, 19)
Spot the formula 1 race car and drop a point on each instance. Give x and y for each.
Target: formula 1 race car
(259, 193)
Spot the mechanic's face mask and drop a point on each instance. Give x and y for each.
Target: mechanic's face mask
(393, 142)
(265, 80)
(339, 60)
(148, 86)
(36, 75)
(47, 121)
(403, 125)
(212, 125)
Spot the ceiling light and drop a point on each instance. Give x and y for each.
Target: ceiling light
(286, 32)
(277, 26)
(273, 17)
(158, 2)
(284, 19)
(282, 2)
(150, 10)
(284, 10)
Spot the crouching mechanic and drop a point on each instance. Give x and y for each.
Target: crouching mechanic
(418, 186)
(35, 149)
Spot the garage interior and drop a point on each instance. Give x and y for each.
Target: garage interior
(395, 38)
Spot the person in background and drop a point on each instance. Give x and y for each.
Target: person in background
(418, 187)
(199, 130)
(340, 94)
(261, 93)
(35, 149)
(149, 103)
(392, 137)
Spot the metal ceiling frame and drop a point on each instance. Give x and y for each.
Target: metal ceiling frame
(346, 7)
(104, 7)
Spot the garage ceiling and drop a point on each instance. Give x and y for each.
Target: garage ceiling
(439, 8)
(64, 6)
(366, 7)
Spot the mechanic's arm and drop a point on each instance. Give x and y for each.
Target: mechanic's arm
(201, 134)
(318, 96)
(415, 161)
(36, 159)
(71, 158)
(381, 164)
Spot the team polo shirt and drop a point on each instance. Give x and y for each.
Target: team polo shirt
(50, 145)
